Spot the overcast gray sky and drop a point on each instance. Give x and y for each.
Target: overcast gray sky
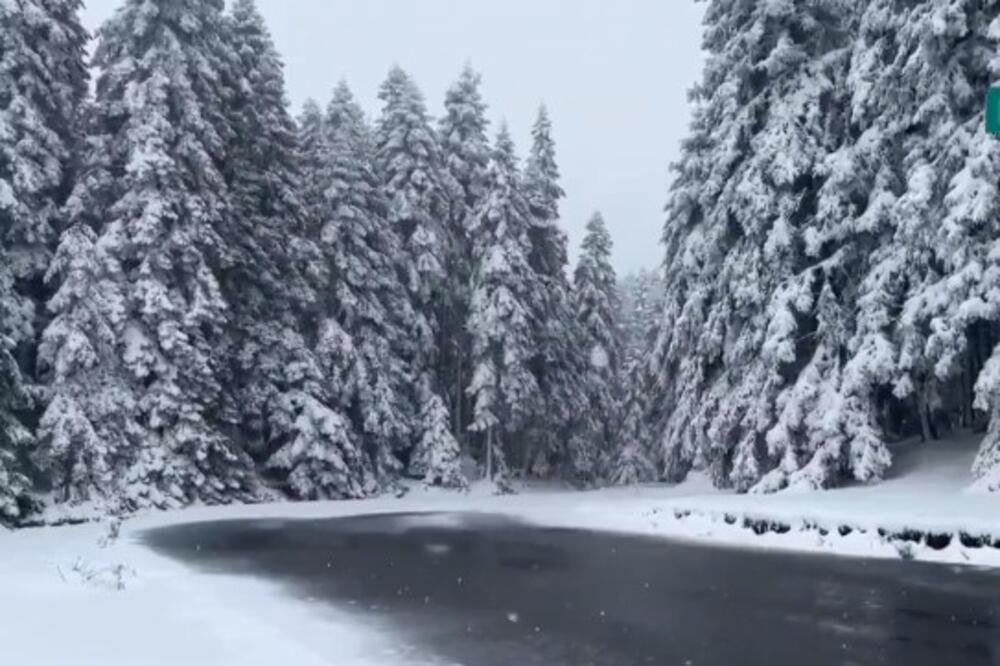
(614, 74)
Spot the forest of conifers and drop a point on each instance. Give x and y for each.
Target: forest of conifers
(204, 299)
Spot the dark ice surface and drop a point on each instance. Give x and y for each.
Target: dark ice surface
(484, 590)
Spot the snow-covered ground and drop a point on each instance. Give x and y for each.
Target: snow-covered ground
(61, 605)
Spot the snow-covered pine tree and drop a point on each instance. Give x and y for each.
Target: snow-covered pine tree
(641, 295)
(278, 394)
(280, 399)
(945, 226)
(89, 439)
(43, 82)
(369, 302)
(741, 314)
(598, 309)
(465, 152)
(314, 467)
(541, 178)
(436, 458)
(160, 116)
(830, 424)
(558, 442)
(15, 435)
(505, 392)
(408, 163)
(642, 302)
(906, 207)
(630, 460)
(418, 190)
(313, 141)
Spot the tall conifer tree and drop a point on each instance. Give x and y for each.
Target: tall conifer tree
(465, 153)
(501, 319)
(162, 201)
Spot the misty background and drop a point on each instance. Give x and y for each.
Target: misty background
(614, 75)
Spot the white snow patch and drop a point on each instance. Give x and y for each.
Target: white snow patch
(244, 621)
(167, 614)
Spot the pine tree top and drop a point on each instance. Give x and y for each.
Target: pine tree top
(504, 153)
(541, 174)
(346, 122)
(464, 106)
(399, 93)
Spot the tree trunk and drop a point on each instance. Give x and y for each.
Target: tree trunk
(459, 399)
(922, 407)
(489, 453)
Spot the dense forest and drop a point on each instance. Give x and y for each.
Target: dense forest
(832, 244)
(204, 299)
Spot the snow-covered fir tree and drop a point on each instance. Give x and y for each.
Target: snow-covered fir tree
(313, 139)
(436, 457)
(465, 153)
(160, 118)
(631, 459)
(921, 332)
(641, 295)
(558, 442)
(369, 299)
(940, 262)
(89, 439)
(504, 390)
(15, 434)
(43, 82)
(741, 314)
(830, 244)
(418, 191)
(598, 309)
(280, 398)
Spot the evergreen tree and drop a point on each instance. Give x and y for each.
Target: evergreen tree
(418, 190)
(437, 455)
(15, 436)
(943, 253)
(642, 304)
(365, 294)
(465, 153)
(408, 163)
(89, 438)
(597, 310)
(742, 269)
(630, 459)
(313, 139)
(641, 295)
(920, 336)
(162, 201)
(43, 81)
(549, 255)
(558, 439)
(504, 390)
(277, 392)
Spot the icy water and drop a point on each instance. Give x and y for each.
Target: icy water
(487, 591)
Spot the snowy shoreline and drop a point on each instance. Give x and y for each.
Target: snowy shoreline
(68, 577)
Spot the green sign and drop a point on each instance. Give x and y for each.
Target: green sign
(993, 111)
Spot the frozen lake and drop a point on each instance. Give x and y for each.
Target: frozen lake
(483, 590)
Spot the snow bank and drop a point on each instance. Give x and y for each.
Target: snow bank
(62, 582)
(925, 512)
(61, 607)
